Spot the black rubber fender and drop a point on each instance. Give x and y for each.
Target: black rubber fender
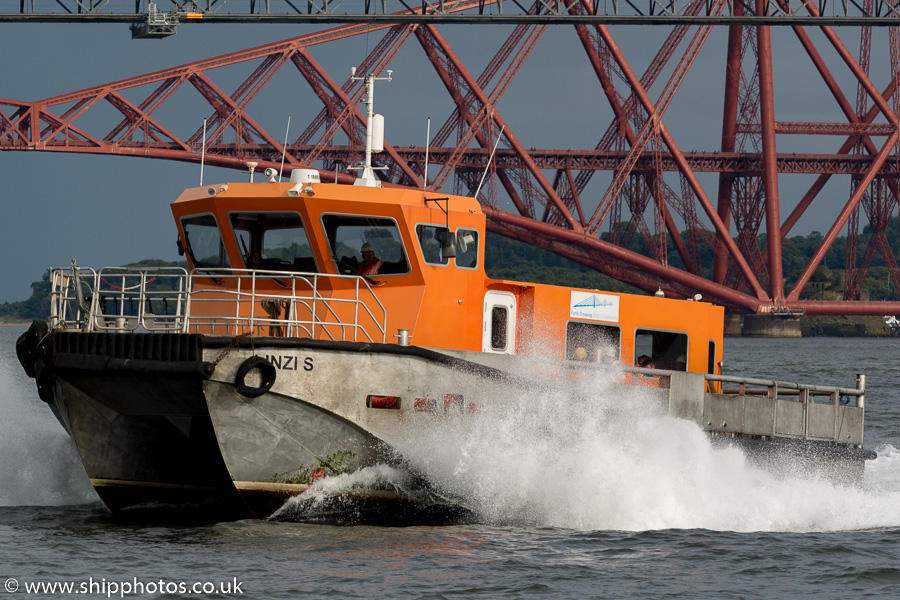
(267, 374)
(45, 389)
(34, 350)
(30, 346)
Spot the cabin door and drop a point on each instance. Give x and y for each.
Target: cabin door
(499, 333)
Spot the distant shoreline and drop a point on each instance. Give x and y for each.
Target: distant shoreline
(833, 326)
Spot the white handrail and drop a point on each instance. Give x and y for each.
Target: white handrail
(217, 301)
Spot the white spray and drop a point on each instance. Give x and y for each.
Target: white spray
(601, 460)
(38, 461)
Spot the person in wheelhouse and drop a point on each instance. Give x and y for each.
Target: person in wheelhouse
(370, 263)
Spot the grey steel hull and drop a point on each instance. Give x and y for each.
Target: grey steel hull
(147, 443)
(134, 406)
(318, 415)
(160, 422)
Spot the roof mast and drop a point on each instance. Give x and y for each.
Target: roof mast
(374, 130)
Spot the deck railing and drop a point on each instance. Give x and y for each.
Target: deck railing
(762, 407)
(217, 301)
(768, 388)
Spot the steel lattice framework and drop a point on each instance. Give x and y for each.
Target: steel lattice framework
(161, 19)
(654, 224)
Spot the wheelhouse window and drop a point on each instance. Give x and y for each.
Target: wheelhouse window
(204, 242)
(466, 248)
(274, 241)
(431, 238)
(657, 349)
(592, 343)
(350, 236)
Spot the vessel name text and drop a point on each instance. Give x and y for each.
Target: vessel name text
(288, 362)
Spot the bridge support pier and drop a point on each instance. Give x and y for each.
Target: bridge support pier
(771, 326)
(733, 325)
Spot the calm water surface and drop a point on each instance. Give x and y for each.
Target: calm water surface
(644, 509)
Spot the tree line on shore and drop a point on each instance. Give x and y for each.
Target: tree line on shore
(510, 259)
(519, 261)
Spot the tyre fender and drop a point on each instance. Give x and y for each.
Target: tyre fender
(267, 377)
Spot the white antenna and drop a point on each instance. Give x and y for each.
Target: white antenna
(368, 173)
(427, 142)
(202, 152)
(284, 149)
(490, 160)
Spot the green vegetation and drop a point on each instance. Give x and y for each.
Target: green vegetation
(339, 463)
(519, 261)
(38, 305)
(828, 281)
(510, 259)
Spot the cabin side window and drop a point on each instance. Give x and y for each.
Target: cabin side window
(466, 248)
(204, 242)
(657, 349)
(275, 241)
(347, 235)
(592, 343)
(430, 238)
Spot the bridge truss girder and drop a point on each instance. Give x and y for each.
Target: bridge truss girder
(166, 16)
(656, 197)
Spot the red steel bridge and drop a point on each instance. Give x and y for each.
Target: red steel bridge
(635, 203)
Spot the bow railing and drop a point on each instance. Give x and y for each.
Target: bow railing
(217, 302)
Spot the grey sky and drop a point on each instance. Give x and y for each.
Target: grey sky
(112, 210)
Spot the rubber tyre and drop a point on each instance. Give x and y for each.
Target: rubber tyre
(267, 373)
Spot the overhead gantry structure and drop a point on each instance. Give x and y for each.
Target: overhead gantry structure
(150, 19)
(637, 204)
